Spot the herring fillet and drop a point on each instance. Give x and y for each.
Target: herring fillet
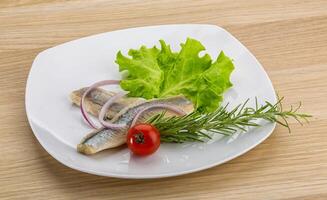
(98, 97)
(101, 139)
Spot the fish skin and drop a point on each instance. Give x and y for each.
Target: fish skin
(98, 140)
(102, 138)
(98, 97)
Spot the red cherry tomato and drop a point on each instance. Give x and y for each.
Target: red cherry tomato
(143, 139)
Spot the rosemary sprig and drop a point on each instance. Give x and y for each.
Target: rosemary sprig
(196, 126)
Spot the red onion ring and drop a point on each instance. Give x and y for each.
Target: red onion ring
(105, 108)
(93, 86)
(172, 108)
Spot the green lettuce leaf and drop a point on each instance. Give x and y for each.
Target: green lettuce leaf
(144, 74)
(154, 73)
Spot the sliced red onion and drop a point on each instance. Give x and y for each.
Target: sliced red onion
(172, 108)
(104, 111)
(93, 86)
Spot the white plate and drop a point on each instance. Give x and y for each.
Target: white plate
(58, 125)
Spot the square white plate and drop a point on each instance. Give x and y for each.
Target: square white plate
(59, 127)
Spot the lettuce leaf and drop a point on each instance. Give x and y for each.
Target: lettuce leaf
(144, 74)
(154, 73)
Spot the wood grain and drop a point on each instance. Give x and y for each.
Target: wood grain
(289, 37)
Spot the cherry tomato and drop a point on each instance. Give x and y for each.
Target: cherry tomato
(143, 139)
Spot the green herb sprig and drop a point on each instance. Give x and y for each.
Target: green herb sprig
(196, 126)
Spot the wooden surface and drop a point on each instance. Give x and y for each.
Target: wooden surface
(289, 37)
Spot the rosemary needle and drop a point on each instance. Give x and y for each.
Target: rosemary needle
(196, 125)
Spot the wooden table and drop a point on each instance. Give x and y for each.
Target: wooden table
(289, 37)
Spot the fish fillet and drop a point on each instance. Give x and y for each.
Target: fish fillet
(98, 97)
(103, 138)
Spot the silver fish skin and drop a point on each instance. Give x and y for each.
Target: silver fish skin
(98, 97)
(106, 138)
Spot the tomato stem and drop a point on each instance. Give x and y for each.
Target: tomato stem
(139, 138)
